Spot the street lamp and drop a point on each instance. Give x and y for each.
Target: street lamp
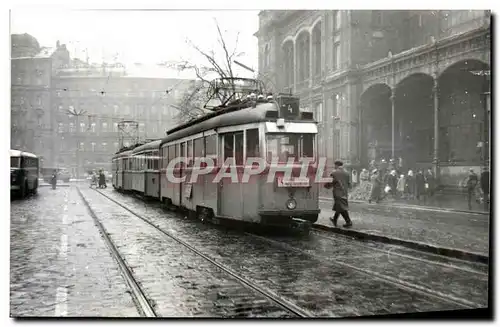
(77, 114)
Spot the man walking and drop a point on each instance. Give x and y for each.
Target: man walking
(340, 184)
(471, 183)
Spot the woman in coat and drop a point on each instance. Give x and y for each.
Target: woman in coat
(102, 180)
(376, 187)
(401, 186)
(420, 185)
(410, 185)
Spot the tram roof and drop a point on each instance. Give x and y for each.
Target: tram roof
(221, 119)
(18, 153)
(153, 145)
(123, 154)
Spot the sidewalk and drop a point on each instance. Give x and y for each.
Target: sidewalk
(462, 235)
(447, 202)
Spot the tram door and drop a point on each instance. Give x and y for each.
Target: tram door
(229, 194)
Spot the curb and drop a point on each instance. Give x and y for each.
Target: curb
(412, 206)
(424, 247)
(48, 185)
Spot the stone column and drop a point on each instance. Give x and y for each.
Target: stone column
(435, 93)
(311, 70)
(294, 65)
(393, 99)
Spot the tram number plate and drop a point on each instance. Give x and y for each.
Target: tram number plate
(293, 182)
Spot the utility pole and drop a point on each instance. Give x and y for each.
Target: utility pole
(77, 115)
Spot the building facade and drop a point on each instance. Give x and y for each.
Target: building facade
(31, 114)
(387, 84)
(91, 102)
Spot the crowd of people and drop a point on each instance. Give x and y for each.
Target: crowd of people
(388, 179)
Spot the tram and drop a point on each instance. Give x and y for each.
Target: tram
(24, 171)
(272, 132)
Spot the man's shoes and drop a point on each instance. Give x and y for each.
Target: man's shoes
(334, 221)
(348, 225)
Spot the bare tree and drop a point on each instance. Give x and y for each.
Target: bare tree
(192, 102)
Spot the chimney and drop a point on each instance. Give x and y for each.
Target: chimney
(58, 44)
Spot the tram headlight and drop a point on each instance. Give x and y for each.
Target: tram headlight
(291, 204)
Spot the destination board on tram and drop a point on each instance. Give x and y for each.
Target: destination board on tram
(289, 107)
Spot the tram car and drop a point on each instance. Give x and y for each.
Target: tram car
(272, 130)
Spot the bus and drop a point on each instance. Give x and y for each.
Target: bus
(24, 171)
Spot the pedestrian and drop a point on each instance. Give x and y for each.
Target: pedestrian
(392, 183)
(430, 180)
(354, 179)
(364, 177)
(419, 184)
(340, 185)
(102, 180)
(53, 179)
(401, 186)
(376, 187)
(471, 183)
(410, 185)
(485, 184)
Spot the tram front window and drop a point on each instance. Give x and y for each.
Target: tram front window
(282, 147)
(15, 162)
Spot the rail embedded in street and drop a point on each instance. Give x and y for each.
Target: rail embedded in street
(446, 299)
(292, 308)
(142, 302)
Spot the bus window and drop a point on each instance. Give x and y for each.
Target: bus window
(15, 162)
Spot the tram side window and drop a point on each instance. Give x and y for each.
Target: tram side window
(238, 148)
(211, 147)
(156, 160)
(307, 144)
(233, 147)
(189, 155)
(171, 153)
(182, 150)
(253, 143)
(198, 150)
(228, 146)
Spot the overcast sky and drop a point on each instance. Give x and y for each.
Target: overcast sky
(149, 37)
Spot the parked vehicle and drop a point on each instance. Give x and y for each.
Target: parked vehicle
(24, 170)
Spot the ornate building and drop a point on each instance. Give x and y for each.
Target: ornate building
(31, 115)
(387, 84)
(91, 101)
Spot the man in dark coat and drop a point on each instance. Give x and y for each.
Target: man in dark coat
(340, 184)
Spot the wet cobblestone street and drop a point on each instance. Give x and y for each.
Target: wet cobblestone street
(323, 287)
(61, 266)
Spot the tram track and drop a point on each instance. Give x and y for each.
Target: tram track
(142, 303)
(405, 288)
(395, 281)
(454, 263)
(289, 307)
